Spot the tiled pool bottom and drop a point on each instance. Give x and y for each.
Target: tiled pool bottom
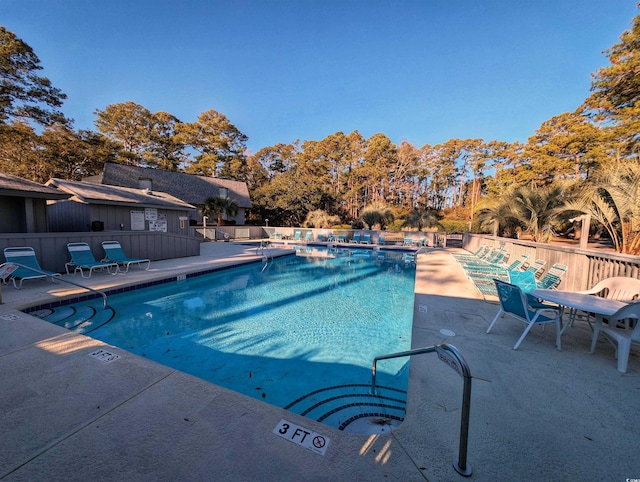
(300, 329)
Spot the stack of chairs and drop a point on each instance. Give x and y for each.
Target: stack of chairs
(489, 263)
(493, 270)
(484, 265)
(479, 253)
(490, 257)
(500, 271)
(483, 276)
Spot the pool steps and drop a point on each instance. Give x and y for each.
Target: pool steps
(80, 320)
(343, 405)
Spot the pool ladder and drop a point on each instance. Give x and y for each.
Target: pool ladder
(450, 355)
(265, 254)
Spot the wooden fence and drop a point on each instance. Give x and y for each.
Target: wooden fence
(51, 248)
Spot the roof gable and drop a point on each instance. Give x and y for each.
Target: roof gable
(104, 194)
(188, 187)
(17, 186)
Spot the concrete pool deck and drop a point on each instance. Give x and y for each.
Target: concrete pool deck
(536, 413)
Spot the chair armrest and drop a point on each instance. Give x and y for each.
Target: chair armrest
(551, 309)
(538, 305)
(591, 291)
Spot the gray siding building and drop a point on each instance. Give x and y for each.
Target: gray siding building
(98, 207)
(23, 204)
(189, 188)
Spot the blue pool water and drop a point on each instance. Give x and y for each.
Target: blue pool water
(300, 333)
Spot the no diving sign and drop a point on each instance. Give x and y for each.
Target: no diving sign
(301, 436)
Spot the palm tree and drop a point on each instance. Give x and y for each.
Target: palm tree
(539, 209)
(377, 213)
(613, 200)
(320, 219)
(219, 207)
(422, 219)
(498, 216)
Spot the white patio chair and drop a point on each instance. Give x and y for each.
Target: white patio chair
(621, 288)
(620, 330)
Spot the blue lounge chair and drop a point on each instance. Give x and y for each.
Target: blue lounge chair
(296, 236)
(82, 258)
(485, 257)
(381, 239)
(342, 238)
(553, 277)
(537, 267)
(366, 239)
(26, 256)
(309, 236)
(356, 238)
(500, 268)
(478, 254)
(115, 254)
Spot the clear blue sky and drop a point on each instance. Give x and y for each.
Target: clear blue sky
(424, 71)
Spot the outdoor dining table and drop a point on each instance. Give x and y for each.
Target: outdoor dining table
(601, 307)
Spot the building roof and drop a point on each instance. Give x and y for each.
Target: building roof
(188, 187)
(20, 187)
(115, 195)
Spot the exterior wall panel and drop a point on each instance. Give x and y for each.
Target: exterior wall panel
(12, 217)
(52, 253)
(68, 216)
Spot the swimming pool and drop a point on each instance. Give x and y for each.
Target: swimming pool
(299, 332)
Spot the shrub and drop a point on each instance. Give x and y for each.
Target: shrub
(454, 226)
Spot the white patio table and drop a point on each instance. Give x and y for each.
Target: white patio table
(601, 307)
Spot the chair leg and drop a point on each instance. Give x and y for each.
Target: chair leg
(524, 333)
(624, 347)
(596, 334)
(500, 313)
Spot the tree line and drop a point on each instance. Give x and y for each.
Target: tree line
(575, 162)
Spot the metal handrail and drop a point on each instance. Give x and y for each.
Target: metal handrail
(262, 250)
(104, 296)
(459, 364)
